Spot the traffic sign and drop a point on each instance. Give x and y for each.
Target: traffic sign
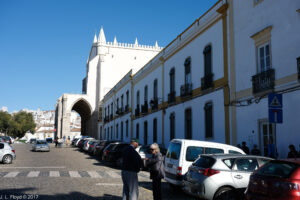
(275, 116)
(275, 100)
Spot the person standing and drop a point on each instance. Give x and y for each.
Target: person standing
(157, 172)
(292, 153)
(132, 163)
(255, 150)
(56, 141)
(245, 148)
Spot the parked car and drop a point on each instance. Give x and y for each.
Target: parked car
(41, 145)
(278, 179)
(101, 146)
(32, 140)
(92, 146)
(113, 153)
(221, 176)
(6, 139)
(85, 144)
(74, 141)
(7, 153)
(49, 140)
(182, 153)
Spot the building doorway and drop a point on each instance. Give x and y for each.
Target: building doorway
(267, 137)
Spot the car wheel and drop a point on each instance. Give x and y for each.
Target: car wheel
(7, 159)
(225, 193)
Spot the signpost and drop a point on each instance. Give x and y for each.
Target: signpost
(275, 108)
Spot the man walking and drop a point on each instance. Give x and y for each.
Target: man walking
(132, 164)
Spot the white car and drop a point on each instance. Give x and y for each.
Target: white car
(7, 153)
(182, 153)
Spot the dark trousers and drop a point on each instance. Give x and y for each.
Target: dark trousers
(156, 187)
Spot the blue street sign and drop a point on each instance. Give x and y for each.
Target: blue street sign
(275, 116)
(275, 100)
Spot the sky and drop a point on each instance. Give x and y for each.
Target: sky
(44, 44)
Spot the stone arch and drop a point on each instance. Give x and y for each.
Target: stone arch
(84, 109)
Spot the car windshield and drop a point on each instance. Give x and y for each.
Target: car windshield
(281, 169)
(174, 150)
(41, 142)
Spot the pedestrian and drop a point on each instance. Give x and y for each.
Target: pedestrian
(157, 170)
(292, 153)
(68, 141)
(131, 165)
(255, 150)
(245, 148)
(56, 141)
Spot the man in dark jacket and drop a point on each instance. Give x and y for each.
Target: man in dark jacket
(131, 165)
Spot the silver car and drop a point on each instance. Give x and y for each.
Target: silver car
(41, 145)
(222, 176)
(7, 153)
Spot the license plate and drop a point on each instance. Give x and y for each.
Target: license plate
(170, 165)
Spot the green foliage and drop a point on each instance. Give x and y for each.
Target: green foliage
(17, 124)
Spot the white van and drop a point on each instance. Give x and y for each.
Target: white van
(182, 153)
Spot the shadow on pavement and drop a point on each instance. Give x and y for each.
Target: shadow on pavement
(25, 193)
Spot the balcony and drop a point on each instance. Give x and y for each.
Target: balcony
(172, 97)
(111, 117)
(120, 111)
(145, 108)
(186, 90)
(207, 81)
(263, 81)
(154, 104)
(106, 119)
(126, 108)
(137, 110)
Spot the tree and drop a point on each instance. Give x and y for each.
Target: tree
(5, 118)
(21, 123)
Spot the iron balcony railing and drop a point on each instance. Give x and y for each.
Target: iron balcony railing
(126, 108)
(186, 90)
(154, 104)
(207, 81)
(172, 97)
(145, 108)
(263, 81)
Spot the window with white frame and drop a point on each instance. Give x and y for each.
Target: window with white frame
(263, 57)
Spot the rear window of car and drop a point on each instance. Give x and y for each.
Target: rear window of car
(229, 162)
(121, 146)
(213, 150)
(1, 145)
(41, 142)
(174, 150)
(192, 153)
(204, 162)
(280, 169)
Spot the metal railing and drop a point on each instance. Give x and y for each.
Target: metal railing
(263, 81)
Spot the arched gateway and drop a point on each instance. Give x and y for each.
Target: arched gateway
(108, 62)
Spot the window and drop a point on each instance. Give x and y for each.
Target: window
(145, 133)
(208, 120)
(207, 61)
(172, 126)
(117, 131)
(246, 164)
(234, 152)
(146, 93)
(105, 112)
(155, 89)
(138, 98)
(192, 153)
(213, 151)
(126, 128)
(1, 145)
(105, 136)
(188, 123)
(112, 108)
(111, 132)
(255, 2)
(187, 71)
(117, 103)
(122, 102)
(172, 80)
(174, 150)
(137, 131)
(263, 55)
(121, 130)
(205, 162)
(155, 130)
(127, 97)
(108, 110)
